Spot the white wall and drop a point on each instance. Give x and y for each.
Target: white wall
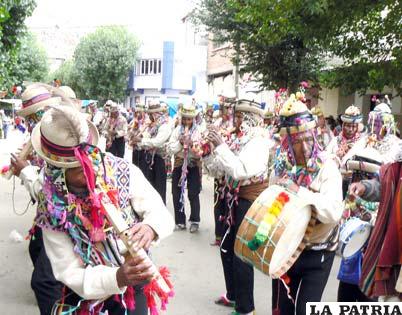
(329, 101)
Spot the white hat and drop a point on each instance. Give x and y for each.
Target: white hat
(248, 106)
(188, 111)
(114, 108)
(36, 98)
(352, 115)
(61, 130)
(155, 107)
(68, 91)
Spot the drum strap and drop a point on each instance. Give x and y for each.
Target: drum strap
(330, 244)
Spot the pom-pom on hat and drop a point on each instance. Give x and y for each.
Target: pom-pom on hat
(352, 115)
(295, 117)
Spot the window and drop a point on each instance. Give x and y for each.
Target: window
(149, 67)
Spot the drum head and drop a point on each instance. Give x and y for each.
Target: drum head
(290, 239)
(357, 240)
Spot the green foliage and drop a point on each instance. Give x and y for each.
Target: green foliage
(102, 61)
(12, 31)
(31, 62)
(285, 41)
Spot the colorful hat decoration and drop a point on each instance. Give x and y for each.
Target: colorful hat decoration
(59, 135)
(248, 106)
(295, 117)
(36, 98)
(317, 111)
(381, 117)
(188, 111)
(352, 115)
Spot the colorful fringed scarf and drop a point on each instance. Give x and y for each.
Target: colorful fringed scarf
(285, 162)
(81, 217)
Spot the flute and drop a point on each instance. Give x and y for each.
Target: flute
(25, 152)
(122, 229)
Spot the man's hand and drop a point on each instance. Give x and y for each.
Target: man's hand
(143, 235)
(214, 138)
(134, 271)
(357, 189)
(17, 164)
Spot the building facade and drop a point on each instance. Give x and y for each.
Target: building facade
(168, 72)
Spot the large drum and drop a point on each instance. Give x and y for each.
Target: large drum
(287, 235)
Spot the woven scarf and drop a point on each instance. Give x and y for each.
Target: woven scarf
(382, 259)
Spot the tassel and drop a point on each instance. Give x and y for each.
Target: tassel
(116, 298)
(276, 311)
(129, 298)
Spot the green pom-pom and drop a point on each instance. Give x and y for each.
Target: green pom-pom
(253, 244)
(258, 240)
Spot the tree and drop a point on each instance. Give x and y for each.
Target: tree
(12, 30)
(67, 75)
(282, 42)
(102, 61)
(267, 37)
(31, 62)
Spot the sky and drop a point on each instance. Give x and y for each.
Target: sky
(148, 19)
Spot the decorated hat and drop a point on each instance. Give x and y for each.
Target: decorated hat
(68, 91)
(114, 108)
(381, 117)
(295, 117)
(60, 133)
(36, 98)
(317, 111)
(248, 106)
(188, 111)
(156, 107)
(268, 114)
(352, 115)
(227, 98)
(139, 108)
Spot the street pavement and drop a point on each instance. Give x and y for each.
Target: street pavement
(194, 264)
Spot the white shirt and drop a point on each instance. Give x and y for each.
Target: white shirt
(100, 281)
(325, 194)
(251, 161)
(160, 139)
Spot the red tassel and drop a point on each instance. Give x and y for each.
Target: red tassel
(84, 309)
(149, 290)
(116, 298)
(276, 311)
(129, 298)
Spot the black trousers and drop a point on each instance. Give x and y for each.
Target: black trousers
(118, 147)
(239, 276)
(113, 307)
(138, 157)
(46, 288)
(193, 187)
(156, 174)
(308, 278)
(351, 293)
(219, 211)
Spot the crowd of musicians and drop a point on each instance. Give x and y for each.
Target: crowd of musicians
(351, 180)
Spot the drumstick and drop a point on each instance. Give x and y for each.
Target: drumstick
(123, 230)
(25, 152)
